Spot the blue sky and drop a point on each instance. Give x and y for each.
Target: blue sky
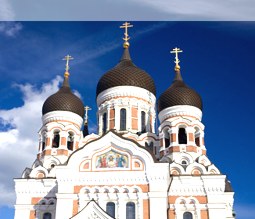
(218, 62)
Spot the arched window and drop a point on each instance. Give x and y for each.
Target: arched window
(187, 215)
(110, 209)
(143, 125)
(123, 118)
(56, 138)
(43, 142)
(197, 136)
(104, 122)
(182, 136)
(70, 140)
(47, 215)
(166, 138)
(184, 162)
(130, 210)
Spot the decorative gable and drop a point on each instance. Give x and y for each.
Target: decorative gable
(92, 211)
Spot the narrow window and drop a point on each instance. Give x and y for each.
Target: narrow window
(55, 141)
(70, 141)
(166, 139)
(182, 137)
(187, 215)
(104, 122)
(130, 210)
(43, 143)
(47, 215)
(184, 162)
(197, 135)
(123, 115)
(110, 209)
(143, 126)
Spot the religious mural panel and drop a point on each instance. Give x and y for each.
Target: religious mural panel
(112, 159)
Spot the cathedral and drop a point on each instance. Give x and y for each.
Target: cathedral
(129, 169)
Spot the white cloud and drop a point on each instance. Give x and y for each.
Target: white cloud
(10, 29)
(6, 11)
(19, 143)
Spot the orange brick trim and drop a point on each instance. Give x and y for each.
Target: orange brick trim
(63, 141)
(191, 149)
(146, 209)
(48, 141)
(171, 214)
(62, 152)
(134, 112)
(174, 149)
(173, 137)
(112, 118)
(134, 123)
(32, 214)
(204, 214)
(75, 207)
(35, 200)
(191, 137)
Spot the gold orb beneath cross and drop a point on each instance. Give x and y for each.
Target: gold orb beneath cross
(126, 45)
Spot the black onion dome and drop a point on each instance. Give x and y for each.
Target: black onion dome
(64, 100)
(179, 94)
(125, 73)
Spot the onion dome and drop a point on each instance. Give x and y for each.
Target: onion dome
(125, 73)
(64, 99)
(179, 93)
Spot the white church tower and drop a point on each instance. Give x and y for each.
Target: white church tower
(127, 170)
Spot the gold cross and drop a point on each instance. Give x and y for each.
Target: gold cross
(177, 61)
(126, 25)
(67, 58)
(87, 108)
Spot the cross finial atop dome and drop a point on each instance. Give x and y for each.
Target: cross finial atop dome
(126, 25)
(67, 58)
(86, 108)
(177, 61)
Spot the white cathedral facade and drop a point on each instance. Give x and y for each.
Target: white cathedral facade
(127, 170)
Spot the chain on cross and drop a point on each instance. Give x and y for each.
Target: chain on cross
(86, 108)
(67, 58)
(126, 25)
(177, 61)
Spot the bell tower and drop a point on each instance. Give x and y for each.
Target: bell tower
(60, 134)
(197, 189)
(126, 96)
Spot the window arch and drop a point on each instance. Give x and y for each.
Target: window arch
(123, 119)
(55, 140)
(197, 136)
(110, 209)
(43, 141)
(143, 125)
(47, 215)
(130, 210)
(70, 141)
(104, 122)
(182, 136)
(166, 138)
(187, 215)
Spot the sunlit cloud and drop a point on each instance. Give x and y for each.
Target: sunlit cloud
(19, 143)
